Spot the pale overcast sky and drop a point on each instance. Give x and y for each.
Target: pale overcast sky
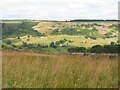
(58, 9)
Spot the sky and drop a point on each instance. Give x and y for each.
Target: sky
(59, 9)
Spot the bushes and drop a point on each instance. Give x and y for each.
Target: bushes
(77, 49)
(56, 32)
(62, 42)
(112, 48)
(83, 29)
(108, 35)
(97, 49)
(69, 31)
(8, 42)
(52, 44)
(6, 46)
(91, 37)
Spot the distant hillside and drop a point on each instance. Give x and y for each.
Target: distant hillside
(86, 29)
(57, 36)
(19, 28)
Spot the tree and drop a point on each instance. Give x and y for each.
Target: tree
(52, 45)
(57, 43)
(28, 36)
(111, 48)
(18, 37)
(8, 42)
(77, 49)
(112, 43)
(82, 49)
(56, 32)
(97, 49)
(24, 44)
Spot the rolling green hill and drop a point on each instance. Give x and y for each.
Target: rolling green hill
(19, 28)
(86, 29)
(43, 33)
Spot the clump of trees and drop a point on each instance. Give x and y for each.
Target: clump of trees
(61, 43)
(56, 32)
(33, 46)
(112, 48)
(77, 30)
(77, 49)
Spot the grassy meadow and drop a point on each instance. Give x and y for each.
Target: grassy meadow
(42, 70)
(76, 40)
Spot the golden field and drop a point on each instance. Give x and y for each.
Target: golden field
(39, 70)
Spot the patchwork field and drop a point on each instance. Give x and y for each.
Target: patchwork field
(34, 70)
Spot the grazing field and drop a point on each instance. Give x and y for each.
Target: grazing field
(38, 70)
(76, 40)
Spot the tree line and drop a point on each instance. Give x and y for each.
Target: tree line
(112, 48)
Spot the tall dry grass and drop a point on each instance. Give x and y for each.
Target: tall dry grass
(33, 70)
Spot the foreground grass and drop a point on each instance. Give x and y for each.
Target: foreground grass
(33, 70)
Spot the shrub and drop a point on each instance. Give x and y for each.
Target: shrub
(97, 49)
(52, 45)
(77, 49)
(8, 42)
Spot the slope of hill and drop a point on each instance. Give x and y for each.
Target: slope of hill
(18, 28)
(64, 35)
(86, 29)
